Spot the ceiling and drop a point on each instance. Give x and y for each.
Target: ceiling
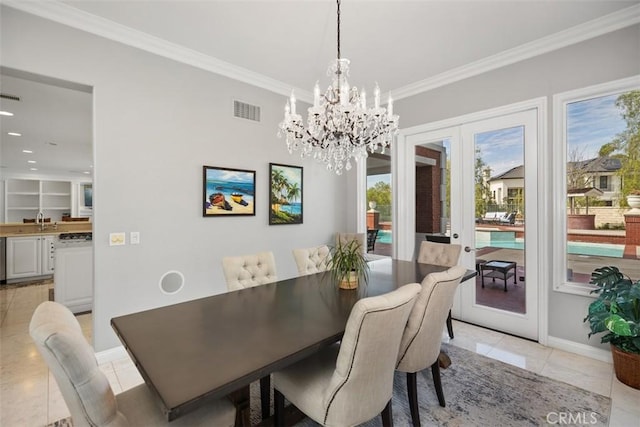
(403, 45)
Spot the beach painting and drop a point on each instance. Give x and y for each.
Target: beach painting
(285, 194)
(228, 192)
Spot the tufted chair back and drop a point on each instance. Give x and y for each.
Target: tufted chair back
(249, 270)
(439, 253)
(342, 238)
(422, 336)
(312, 260)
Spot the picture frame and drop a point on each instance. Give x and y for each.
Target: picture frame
(228, 192)
(285, 194)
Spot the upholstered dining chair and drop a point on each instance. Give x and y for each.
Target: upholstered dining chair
(350, 383)
(420, 345)
(85, 388)
(249, 270)
(312, 260)
(342, 238)
(444, 254)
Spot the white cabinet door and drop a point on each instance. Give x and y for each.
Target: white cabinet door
(74, 278)
(23, 257)
(48, 254)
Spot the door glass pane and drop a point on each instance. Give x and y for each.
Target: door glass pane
(603, 160)
(379, 203)
(499, 210)
(433, 219)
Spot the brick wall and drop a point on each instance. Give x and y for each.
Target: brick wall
(428, 206)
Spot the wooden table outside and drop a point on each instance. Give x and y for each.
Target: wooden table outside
(193, 352)
(498, 270)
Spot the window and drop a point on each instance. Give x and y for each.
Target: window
(604, 183)
(590, 124)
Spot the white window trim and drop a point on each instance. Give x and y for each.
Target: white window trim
(559, 190)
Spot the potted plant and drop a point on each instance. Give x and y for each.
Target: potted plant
(616, 311)
(348, 264)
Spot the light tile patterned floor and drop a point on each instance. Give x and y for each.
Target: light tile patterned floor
(29, 395)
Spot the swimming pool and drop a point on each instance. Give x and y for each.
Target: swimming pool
(575, 248)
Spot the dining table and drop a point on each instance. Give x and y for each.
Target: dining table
(193, 352)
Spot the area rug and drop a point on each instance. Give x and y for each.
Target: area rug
(480, 391)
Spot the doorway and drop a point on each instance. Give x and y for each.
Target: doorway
(483, 207)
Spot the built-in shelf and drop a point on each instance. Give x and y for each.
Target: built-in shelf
(24, 198)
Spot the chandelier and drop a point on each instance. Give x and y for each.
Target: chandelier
(340, 125)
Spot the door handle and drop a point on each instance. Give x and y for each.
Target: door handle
(468, 249)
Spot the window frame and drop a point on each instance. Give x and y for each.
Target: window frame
(559, 190)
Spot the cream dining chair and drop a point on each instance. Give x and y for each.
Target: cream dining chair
(249, 270)
(422, 337)
(342, 238)
(312, 260)
(350, 383)
(86, 390)
(444, 254)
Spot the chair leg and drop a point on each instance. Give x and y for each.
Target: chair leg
(450, 325)
(435, 373)
(265, 396)
(387, 415)
(412, 391)
(278, 408)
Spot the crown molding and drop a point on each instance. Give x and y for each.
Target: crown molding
(67, 15)
(81, 20)
(588, 30)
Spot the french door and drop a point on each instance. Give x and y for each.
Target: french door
(489, 189)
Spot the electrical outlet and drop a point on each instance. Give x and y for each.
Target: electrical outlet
(117, 239)
(134, 237)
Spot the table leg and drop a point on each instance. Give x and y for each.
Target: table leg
(242, 402)
(506, 274)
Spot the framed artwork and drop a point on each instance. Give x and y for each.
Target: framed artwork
(285, 194)
(228, 192)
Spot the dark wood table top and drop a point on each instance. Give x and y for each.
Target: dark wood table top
(207, 348)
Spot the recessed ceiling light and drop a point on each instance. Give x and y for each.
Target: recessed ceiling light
(31, 161)
(33, 169)
(5, 113)
(14, 134)
(27, 151)
(52, 143)
(86, 172)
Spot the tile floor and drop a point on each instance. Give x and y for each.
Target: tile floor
(29, 395)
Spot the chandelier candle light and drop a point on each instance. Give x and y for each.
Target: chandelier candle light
(340, 126)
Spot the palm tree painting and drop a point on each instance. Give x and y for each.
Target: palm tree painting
(285, 194)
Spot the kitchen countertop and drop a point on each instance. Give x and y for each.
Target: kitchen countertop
(52, 229)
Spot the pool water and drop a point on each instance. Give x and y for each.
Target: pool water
(575, 248)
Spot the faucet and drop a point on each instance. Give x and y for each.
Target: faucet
(40, 220)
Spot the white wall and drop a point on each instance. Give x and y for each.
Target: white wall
(609, 57)
(157, 122)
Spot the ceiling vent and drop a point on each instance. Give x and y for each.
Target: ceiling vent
(243, 110)
(11, 97)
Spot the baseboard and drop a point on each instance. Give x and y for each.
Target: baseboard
(111, 355)
(581, 349)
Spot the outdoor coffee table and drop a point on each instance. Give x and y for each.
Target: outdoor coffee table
(497, 269)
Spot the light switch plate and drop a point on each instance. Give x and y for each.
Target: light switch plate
(117, 239)
(134, 237)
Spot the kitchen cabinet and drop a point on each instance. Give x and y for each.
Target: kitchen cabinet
(24, 198)
(30, 256)
(73, 280)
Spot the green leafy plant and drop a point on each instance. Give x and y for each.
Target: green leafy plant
(346, 258)
(617, 309)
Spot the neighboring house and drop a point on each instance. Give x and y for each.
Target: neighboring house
(507, 188)
(599, 172)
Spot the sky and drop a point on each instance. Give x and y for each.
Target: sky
(590, 124)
